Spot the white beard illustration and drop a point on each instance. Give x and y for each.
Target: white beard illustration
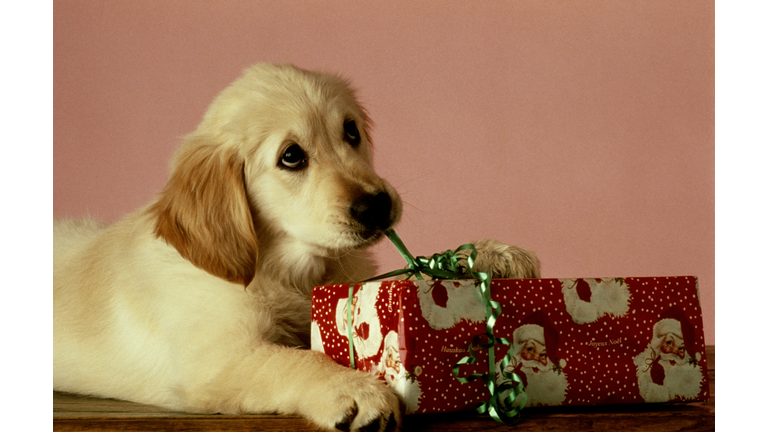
(445, 303)
(604, 296)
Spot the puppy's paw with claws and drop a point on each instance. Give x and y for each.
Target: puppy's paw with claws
(361, 402)
(378, 424)
(505, 261)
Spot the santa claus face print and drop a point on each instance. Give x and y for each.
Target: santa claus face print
(544, 384)
(534, 351)
(352, 317)
(665, 370)
(392, 359)
(403, 383)
(672, 345)
(535, 340)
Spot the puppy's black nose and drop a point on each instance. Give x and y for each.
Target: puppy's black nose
(372, 210)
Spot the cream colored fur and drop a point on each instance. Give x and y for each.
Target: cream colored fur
(200, 301)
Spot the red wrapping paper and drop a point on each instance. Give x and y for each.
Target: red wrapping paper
(576, 341)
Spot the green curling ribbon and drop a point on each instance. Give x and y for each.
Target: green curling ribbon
(349, 328)
(448, 265)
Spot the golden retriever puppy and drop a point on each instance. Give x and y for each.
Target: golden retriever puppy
(200, 301)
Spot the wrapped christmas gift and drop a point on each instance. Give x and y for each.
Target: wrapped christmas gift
(566, 341)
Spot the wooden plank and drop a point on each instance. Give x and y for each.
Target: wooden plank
(80, 413)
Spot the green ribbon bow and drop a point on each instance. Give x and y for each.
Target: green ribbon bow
(458, 264)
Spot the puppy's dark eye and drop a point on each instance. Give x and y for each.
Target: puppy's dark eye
(293, 157)
(351, 134)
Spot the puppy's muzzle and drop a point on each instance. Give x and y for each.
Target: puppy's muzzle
(373, 211)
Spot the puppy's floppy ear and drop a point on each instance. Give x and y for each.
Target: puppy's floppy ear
(204, 211)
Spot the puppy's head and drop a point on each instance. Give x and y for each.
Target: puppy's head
(282, 156)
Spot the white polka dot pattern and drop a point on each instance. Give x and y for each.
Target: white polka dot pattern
(577, 341)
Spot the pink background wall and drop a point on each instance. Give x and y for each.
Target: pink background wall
(581, 129)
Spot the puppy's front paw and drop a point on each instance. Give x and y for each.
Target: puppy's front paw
(360, 402)
(505, 261)
(378, 424)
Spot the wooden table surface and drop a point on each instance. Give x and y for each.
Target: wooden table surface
(78, 413)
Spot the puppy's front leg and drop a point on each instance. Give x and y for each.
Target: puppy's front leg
(291, 381)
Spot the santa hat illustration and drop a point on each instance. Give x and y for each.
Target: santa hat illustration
(538, 327)
(675, 321)
(583, 290)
